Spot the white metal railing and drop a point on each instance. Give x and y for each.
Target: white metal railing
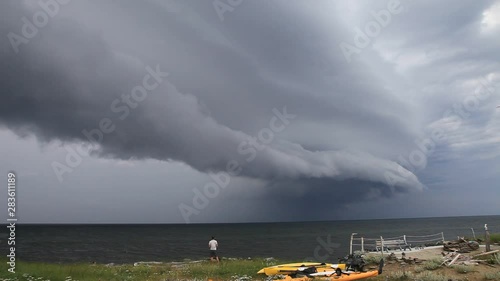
(403, 241)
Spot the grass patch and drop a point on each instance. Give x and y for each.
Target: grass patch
(492, 276)
(400, 276)
(432, 264)
(495, 238)
(430, 276)
(491, 259)
(372, 259)
(494, 259)
(463, 269)
(419, 269)
(225, 270)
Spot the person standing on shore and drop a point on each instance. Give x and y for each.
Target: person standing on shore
(213, 245)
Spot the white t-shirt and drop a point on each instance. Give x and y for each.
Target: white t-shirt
(213, 245)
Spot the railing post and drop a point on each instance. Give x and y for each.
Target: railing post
(487, 238)
(362, 244)
(442, 235)
(350, 245)
(382, 245)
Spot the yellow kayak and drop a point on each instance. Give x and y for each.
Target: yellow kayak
(342, 277)
(335, 275)
(291, 268)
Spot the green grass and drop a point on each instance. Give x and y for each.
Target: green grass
(463, 269)
(372, 259)
(495, 238)
(431, 276)
(419, 269)
(491, 259)
(494, 259)
(226, 270)
(400, 276)
(432, 264)
(56, 272)
(492, 276)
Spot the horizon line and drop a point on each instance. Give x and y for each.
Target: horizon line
(251, 222)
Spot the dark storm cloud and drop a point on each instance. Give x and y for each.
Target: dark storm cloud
(66, 80)
(224, 80)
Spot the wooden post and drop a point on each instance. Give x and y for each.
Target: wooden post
(362, 244)
(382, 246)
(473, 233)
(487, 240)
(442, 236)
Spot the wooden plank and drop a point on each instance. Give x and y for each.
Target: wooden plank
(454, 259)
(487, 253)
(447, 258)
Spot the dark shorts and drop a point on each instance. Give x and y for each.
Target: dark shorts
(213, 254)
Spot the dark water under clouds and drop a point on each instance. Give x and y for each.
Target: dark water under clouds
(291, 241)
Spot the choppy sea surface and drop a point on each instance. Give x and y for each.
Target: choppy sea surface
(288, 241)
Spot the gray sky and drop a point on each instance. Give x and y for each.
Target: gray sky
(236, 111)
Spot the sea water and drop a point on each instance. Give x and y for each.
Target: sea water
(295, 241)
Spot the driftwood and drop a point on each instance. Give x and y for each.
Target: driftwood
(461, 246)
(483, 262)
(447, 257)
(487, 253)
(454, 260)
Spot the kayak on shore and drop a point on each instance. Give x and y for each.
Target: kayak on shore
(304, 267)
(342, 277)
(326, 274)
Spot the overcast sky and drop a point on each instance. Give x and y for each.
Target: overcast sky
(237, 111)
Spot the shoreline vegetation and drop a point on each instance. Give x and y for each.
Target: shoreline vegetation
(227, 269)
(428, 267)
